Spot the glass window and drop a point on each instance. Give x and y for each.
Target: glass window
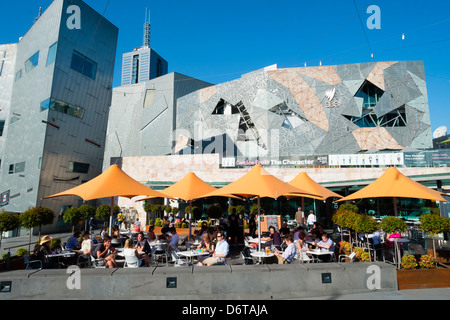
(32, 62)
(83, 65)
(52, 53)
(2, 126)
(62, 107)
(19, 167)
(77, 167)
(11, 169)
(19, 74)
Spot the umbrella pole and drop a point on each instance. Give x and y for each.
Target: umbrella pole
(395, 206)
(111, 216)
(303, 210)
(190, 220)
(259, 224)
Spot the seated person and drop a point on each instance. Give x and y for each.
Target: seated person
(273, 239)
(288, 254)
(86, 248)
(151, 233)
(142, 245)
(41, 251)
(173, 239)
(207, 245)
(130, 250)
(106, 252)
(300, 243)
(73, 243)
(326, 244)
(220, 252)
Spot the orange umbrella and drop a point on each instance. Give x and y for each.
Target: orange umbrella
(190, 187)
(303, 181)
(259, 183)
(111, 183)
(392, 183)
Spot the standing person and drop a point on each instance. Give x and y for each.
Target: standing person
(311, 219)
(300, 217)
(234, 227)
(120, 218)
(252, 225)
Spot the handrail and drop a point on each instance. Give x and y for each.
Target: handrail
(21, 245)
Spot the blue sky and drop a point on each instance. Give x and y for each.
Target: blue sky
(217, 41)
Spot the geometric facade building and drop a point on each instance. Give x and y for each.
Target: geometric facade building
(142, 117)
(341, 109)
(59, 103)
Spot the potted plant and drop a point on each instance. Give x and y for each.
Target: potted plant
(8, 222)
(367, 225)
(345, 247)
(409, 262)
(427, 262)
(72, 215)
(434, 224)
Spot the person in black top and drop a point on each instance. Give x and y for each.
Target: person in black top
(233, 227)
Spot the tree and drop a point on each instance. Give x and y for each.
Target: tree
(393, 224)
(46, 216)
(29, 219)
(72, 215)
(367, 225)
(214, 211)
(103, 212)
(8, 222)
(86, 211)
(434, 224)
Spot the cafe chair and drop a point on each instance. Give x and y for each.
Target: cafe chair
(32, 264)
(350, 257)
(177, 261)
(302, 257)
(131, 261)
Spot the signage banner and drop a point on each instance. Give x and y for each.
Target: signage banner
(4, 198)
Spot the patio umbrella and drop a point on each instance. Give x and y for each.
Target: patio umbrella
(259, 183)
(111, 183)
(189, 188)
(304, 181)
(393, 184)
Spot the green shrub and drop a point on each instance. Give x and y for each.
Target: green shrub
(184, 225)
(4, 256)
(427, 262)
(158, 222)
(365, 257)
(393, 224)
(409, 262)
(22, 252)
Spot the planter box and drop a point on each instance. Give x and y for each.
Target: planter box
(423, 279)
(16, 263)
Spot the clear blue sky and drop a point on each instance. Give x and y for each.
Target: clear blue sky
(217, 41)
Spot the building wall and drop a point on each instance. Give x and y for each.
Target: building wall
(46, 139)
(7, 68)
(314, 110)
(142, 116)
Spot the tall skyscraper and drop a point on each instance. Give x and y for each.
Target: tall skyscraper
(144, 63)
(60, 91)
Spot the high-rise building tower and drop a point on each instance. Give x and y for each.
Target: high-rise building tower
(144, 63)
(58, 81)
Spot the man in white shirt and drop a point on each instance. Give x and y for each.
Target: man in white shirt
(311, 219)
(220, 252)
(325, 245)
(290, 252)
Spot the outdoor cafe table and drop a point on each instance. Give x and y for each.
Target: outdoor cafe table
(65, 254)
(318, 253)
(397, 248)
(261, 254)
(191, 254)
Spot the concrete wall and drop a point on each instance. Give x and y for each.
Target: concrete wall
(233, 282)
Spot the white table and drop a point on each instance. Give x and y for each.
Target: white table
(191, 254)
(65, 254)
(319, 253)
(261, 254)
(256, 241)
